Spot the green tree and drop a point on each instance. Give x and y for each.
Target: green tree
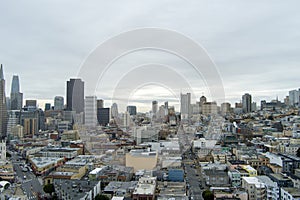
(101, 197)
(49, 188)
(208, 195)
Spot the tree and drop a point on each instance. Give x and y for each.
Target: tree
(208, 195)
(101, 197)
(49, 188)
(298, 152)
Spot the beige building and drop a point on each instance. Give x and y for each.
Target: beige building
(17, 131)
(209, 108)
(141, 159)
(30, 126)
(70, 135)
(145, 189)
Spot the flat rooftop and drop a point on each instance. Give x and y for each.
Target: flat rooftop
(41, 162)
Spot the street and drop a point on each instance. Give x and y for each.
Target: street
(194, 178)
(30, 183)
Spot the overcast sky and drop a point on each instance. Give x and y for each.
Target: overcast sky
(254, 44)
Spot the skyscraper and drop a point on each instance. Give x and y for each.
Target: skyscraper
(90, 111)
(294, 97)
(31, 103)
(114, 111)
(154, 108)
(131, 110)
(103, 116)
(75, 95)
(166, 108)
(247, 103)
(47, 106)
(3, 111)
(185, 105)
(100, 103)
(58, 103)
(16, 97)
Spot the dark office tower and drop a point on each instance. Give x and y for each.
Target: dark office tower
(131, 110)
(16, 97)
(166, 108)
(100, 103)
(75, 95)
(154, 107)
(31, 103)
(47, 106)
(58, 103)
(103, 116)
(247, 103)
(202, 100)
(3, 110)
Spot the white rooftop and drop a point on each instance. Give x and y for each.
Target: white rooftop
(255, 181)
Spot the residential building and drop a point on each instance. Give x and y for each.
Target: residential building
(255, 188)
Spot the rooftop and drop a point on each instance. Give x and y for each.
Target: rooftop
(41, 162)
(295, 192)
(255, 181)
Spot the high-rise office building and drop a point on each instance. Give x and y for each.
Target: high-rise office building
(127, 119)
(103, 116)
(166, 108)
(185, 105)
(8, 103)
(47, 106)
(13, 120)
(100, 103)
(202, 100)
(31, 103)
(114, 111)
(247, 103)
(75, 95)
(294, 97)
(58, 103)
(225, 108)
(16, 97)
(154, 108)
(3, 110)
(131, 110)
(90, 111)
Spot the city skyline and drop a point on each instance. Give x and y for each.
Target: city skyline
(147, 107)
(248, 61)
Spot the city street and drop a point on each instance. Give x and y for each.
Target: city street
(30, 183)
(194, 177)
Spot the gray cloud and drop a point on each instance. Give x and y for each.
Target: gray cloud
(255, 44)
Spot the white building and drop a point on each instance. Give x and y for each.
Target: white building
(272, 187)
(290, 193)
(145, 134)
(294, 97)
(90, 110)
(114, 111)
(12, 120)
(255, 188)
(127, 119)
